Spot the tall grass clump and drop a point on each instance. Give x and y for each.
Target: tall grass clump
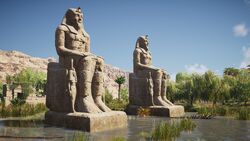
(213, 111)
(170, 131)
(80, 136)
(243, 114)
(187, 124)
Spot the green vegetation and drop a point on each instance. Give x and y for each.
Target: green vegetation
(28, 79)
(118, 139)
(243, 114)
(217, 93)
(120, 80)
(1, 88)
(211, 88)
(142, 112)
(170, 131)
(22, 110)
(79, 136)
(117, 104)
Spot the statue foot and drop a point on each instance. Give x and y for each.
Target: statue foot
(101, 105)
(158, 101)
(88, 105)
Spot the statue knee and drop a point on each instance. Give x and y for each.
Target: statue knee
(86, 63)
(157, 74)
(99, 64)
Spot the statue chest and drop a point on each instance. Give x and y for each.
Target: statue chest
(75, 41)
(146, 58)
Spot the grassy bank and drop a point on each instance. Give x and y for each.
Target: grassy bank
(236, 111)
(21, 110)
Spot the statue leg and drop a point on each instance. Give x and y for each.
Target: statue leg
(85, 102)
(97, 86)
(150, 90)
(157, 78)
(164, 90)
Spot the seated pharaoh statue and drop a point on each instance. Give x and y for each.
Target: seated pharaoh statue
(148, 84)
(75, 84)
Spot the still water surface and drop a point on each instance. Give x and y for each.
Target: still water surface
(218, 129)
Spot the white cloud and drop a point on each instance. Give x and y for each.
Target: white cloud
(172, 76)
(196, 68)
(246, 54)
(240, 30)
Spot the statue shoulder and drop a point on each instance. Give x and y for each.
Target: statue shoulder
(137, 50)
(62, 28)
(85, 34)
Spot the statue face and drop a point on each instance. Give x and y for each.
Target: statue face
(74, 17)
(144, 43)
(78, 18)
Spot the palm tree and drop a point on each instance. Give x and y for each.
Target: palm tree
(119, 80)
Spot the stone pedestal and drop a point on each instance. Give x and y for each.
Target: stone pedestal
(139, 96)
(87, 121)
(171, 111)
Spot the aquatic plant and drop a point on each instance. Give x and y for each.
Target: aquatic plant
(187, 124)
(142, 112)
(170, 131)
(80, 136)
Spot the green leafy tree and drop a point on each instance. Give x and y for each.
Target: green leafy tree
(231, 82)
(242, 87)
(172, 91)
(27, 79)
(120, 80)
(185, 85)
(182, 76)
(213, 84)
(231, 71)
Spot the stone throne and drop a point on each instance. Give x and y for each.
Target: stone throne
(75, 84)
(148, 85)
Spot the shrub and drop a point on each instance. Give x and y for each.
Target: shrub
(222, 111)
(17, 101)
(117, 105)
(108, 97)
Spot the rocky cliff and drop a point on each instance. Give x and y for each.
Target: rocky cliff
(12, 62)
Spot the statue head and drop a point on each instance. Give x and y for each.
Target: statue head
(73, 17)
(142, 42)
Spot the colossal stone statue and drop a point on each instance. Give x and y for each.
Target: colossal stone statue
(75, 84)
(73, 48)
(153, 79)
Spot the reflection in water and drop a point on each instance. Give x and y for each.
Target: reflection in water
(206, 130)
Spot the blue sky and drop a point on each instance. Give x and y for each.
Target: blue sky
(184, 35)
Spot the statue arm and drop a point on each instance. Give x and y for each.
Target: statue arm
(88, 44)
(137, 61)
